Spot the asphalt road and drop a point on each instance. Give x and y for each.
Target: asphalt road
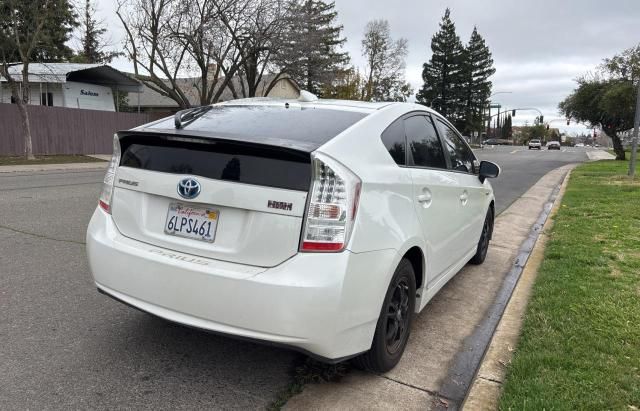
(521, 168)
(63, 345)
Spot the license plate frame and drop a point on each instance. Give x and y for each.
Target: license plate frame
(190, 221)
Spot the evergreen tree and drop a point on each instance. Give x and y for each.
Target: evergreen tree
(91, 39)
(310, 52)
(443, 75)
(478, 67)
(44, 25)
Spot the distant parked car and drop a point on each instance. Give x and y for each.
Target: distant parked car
(535, 143)
(580, 145)
(491, 142)
(553, 145)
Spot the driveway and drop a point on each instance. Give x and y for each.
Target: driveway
(66, 346)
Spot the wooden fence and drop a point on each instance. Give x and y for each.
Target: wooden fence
(60, 130)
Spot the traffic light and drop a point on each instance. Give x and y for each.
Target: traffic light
(541, 119)
(513, 113)
(547, 126)
(568, 121)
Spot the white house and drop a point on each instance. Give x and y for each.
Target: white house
(86, 86)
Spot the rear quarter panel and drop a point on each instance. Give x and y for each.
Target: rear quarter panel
(386, 218)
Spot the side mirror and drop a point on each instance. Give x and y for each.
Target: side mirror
(488, 170)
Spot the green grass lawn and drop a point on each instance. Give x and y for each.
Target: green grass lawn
(61, 159)
(580, 343)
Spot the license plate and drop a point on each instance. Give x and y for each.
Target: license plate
(192, 222)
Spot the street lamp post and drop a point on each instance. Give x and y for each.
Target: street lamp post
(489, 106)
(634, 142)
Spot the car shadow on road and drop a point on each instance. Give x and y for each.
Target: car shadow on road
(169, 361)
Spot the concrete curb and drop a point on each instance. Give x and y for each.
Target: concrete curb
(28, 168)
(486, 387)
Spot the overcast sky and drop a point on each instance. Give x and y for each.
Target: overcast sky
(539, 46)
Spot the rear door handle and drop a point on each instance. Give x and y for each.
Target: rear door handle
(425, 198)
(464, 197)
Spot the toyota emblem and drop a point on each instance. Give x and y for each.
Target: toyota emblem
(189, 188)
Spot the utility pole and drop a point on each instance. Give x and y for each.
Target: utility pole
(634, 142)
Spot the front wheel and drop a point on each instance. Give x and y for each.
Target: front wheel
(394, 323)
(483, 243)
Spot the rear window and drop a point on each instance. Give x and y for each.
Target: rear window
(299, 128)
(221, 160)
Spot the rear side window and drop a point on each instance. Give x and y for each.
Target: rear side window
(425, 149)
(393, 139)
(458, 151)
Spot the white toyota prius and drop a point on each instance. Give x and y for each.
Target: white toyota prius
(320, 225)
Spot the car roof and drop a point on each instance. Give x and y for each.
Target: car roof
(343, 105)
(290, 123)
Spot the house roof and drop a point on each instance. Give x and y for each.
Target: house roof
(189, 86)
(86, 73)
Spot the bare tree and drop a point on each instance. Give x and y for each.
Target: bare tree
(385, 68)
(257, 34)
(28, 30)
(158, 56)
(208, 41)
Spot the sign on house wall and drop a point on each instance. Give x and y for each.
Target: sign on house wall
(87, 96)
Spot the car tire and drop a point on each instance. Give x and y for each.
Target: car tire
(483, 243)
(394, 324)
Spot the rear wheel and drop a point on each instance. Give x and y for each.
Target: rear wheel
(483, 243)
(394, 323)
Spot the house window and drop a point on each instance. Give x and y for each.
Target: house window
(46, 99)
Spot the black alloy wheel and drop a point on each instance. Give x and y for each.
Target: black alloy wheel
(394, 324)
(397, 325)
(483, 243)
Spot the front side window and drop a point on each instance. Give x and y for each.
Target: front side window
(458, 151)
(393, 139)
(425, 149)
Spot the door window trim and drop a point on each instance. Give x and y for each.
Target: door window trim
(433, 118)
(447, 123)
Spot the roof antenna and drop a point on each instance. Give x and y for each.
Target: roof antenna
(307, 97)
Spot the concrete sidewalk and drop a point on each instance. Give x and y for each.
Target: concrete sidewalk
(599, 155)
(449, 337)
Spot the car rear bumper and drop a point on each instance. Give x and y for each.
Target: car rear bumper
(324, 304)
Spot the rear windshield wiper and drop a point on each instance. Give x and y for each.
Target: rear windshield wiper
(185, 117)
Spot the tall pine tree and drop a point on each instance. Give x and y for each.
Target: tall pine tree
(91, 38)
(310, 52)
(478, 68)
(443, 75)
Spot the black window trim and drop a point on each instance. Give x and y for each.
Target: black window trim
(433, 117)
(406, 142)
(447, 123)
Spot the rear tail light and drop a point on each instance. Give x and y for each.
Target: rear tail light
(109, 177)
(333, 204)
